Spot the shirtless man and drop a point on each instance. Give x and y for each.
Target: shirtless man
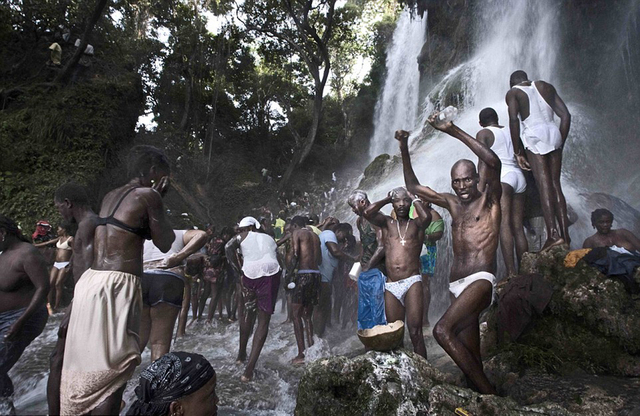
(403, 240)
(475, 227)
(306, 259)
(514, 185)
(533, 104)
(602, 219)
(23, 295)
(102, 347)
(73, 204)
(370, 235)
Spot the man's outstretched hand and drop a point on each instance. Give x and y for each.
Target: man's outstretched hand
(434, 120)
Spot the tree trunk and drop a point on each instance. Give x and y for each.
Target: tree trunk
(64, 74)
(301, 154)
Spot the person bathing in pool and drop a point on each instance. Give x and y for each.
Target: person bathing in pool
(403, 238)
(475, 229)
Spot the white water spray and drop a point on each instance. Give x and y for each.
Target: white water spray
(398, 104)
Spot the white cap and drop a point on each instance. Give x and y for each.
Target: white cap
(249, 221)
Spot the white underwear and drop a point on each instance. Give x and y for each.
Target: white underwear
(541, 138)
(60, 264)
(400, 288)
(456, 288)
(514, 178)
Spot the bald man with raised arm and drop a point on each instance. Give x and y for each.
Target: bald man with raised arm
(475, 228)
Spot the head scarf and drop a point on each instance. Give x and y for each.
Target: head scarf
(169, 378)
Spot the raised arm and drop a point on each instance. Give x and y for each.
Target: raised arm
(410, 178)
(514, 129)
(372, 212)
(161, 232)
(486, 137)
(424, 216)
(486, 155)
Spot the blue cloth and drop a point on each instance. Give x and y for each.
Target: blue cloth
(329, 263)
(371, 299)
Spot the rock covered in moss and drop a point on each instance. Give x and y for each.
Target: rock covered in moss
(395, 383)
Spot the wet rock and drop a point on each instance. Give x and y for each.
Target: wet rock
(376, 169)
(395, 383)
(590, 327)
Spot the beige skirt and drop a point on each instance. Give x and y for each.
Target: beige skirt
(102, 347)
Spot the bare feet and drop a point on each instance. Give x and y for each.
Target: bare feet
(245, 379)
(50, 309)
(298, 360)
(192, 321)
(241, 359)
(554, 240)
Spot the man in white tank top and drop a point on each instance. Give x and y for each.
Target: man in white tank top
(533, 104)
(514, 184)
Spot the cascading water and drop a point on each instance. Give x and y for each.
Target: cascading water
(399, 102)
(511, 35)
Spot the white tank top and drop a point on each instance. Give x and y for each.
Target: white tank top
(502, 145)
(259, 255)
(540, 112)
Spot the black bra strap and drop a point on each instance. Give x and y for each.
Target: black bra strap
(120, 201)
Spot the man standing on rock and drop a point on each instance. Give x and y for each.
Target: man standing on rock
(533, 104)
(306, 259)
(403, 238)
(475, 228)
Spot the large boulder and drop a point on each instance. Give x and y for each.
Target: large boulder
(395, 383)
(575, 351)
(591, 322)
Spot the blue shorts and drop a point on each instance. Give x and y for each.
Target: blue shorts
(428, 261)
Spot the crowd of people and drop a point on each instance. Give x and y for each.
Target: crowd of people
(136, 277)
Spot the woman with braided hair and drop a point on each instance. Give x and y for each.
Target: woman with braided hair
(177, 384)
(23, 295)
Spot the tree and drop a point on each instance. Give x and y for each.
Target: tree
(305, 30)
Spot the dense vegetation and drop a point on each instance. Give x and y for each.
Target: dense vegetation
(228, 89)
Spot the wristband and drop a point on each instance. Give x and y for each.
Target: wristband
(416, 200)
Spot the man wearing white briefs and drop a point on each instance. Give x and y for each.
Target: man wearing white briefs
(533, 104)
(475, 227)
(514, 185)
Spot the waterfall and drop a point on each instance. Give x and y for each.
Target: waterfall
(399, 102)
(511, 35)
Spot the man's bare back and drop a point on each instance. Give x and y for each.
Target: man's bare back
(306, 248)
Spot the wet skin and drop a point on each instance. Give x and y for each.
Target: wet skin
(475, 227)
(403, 260)
(307, 253)
(378, 253)
(546, 168)
(82, 260)
(607, 237)
(512, 208)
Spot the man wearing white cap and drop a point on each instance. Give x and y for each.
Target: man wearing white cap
(260, 280)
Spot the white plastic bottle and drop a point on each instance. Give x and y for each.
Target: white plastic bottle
(447, 114)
